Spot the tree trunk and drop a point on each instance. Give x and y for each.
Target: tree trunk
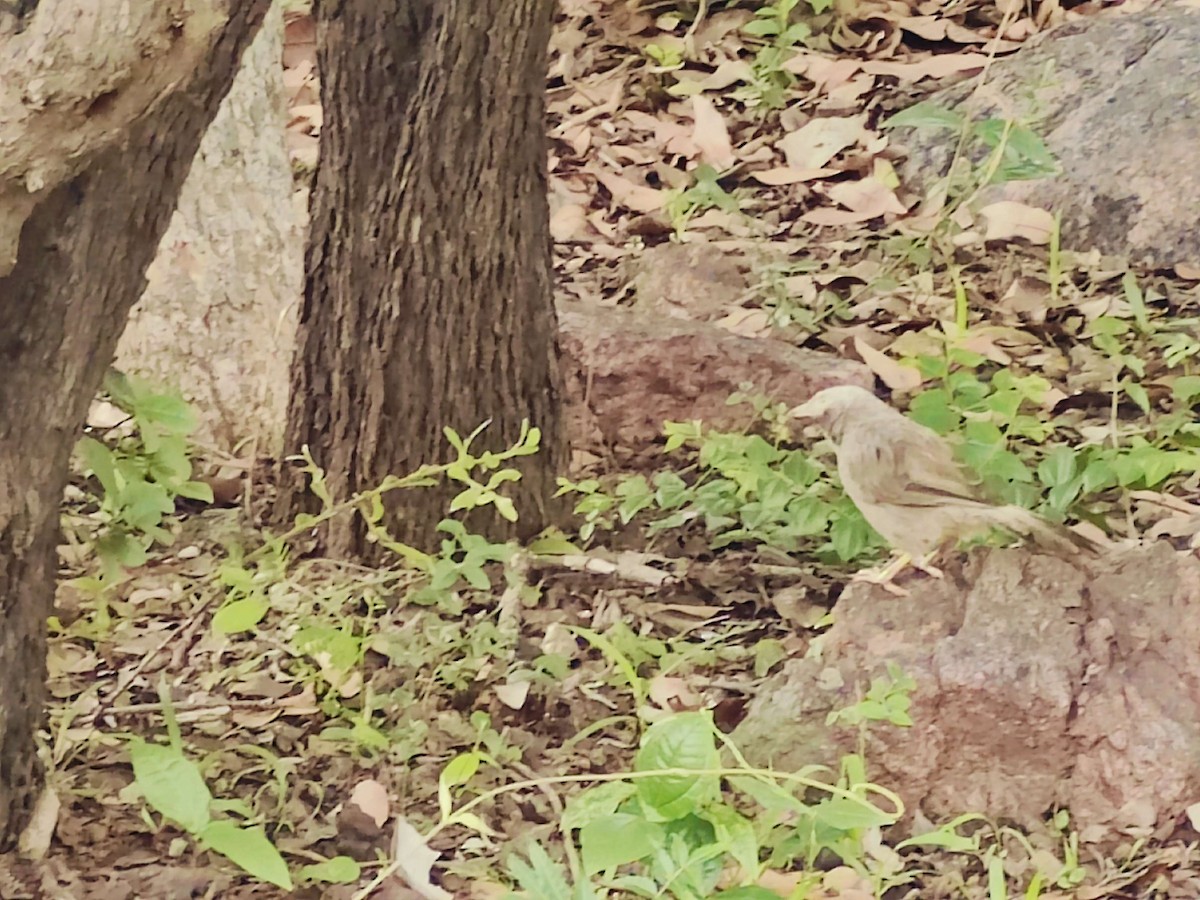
(94, 149)
(428, 295)
(217, 320)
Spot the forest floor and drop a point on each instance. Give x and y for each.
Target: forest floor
(350, 712)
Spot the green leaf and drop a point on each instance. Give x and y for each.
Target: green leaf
(1061, 496)
(169, 412)
(1136, 300)
(1059, 467)
(933, 410)
(926, 114)
(124, 550)
(735, 836)
(847, 814)
(611, 841)
(249, 848)
(670, 491)
(240, 615)
(554, 544)
(636, 495)
(809, 515)
(1032, 153)
(768, 652)
(460, 769)
(686, 741)
(541, 878)
(1098, 475)
(946, 836)
(772, 797)
(1145, 465)
(195, 490)
(1137, 394)
(596, 803)
(971, 359)
(1004, 404)
(99, 459)
(145, 504)
(339, 870)
(851, 536)
(169, 463)
(1107, 325)
(996, 464)
(1184, 389)
(761, 28)
(171, 784)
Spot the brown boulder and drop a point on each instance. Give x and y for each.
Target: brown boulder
(626, 374)
(1041, 684)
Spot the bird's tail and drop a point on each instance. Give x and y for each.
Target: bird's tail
(1049, 535)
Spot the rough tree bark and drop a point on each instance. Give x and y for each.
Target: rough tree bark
(102, 106)
(427, 298)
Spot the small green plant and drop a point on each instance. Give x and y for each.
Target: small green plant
(742, 488)
(174, 787)
(666, 58)
(669, 828)
(1004, 435)
(769, 79)
(804, 313)
(683, 204)
(992, 150)
(887, 700)
(332, 633)
(141, 469)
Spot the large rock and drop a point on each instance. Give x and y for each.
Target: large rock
(626, 374)
(1041, 683)
(217, 319)
(1117, 100)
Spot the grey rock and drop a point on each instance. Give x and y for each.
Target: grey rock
(1117, 101)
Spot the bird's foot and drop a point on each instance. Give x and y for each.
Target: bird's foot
(885, 577)
(925, 564)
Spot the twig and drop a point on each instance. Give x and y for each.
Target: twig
(628, 566)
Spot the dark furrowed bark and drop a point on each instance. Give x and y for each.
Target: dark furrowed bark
(80, 267)
(428, 294)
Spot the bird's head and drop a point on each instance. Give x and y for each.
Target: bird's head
(832, 409)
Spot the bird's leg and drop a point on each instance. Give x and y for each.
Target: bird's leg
(884, 577)
(925, 564)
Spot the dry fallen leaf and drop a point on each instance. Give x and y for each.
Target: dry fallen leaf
(1008, 219)
(372, 798)
(814, 144)
(673, 693)
(895, 375)
(710, 134)
(788, 175)
(513, 693)
(414, 860)
(35, 839)
(934, 67)
(636, 197)
(569, 222)
(863, 200)
(1027, 298)
(825, 72)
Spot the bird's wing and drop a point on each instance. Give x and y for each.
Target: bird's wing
(904, 464)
